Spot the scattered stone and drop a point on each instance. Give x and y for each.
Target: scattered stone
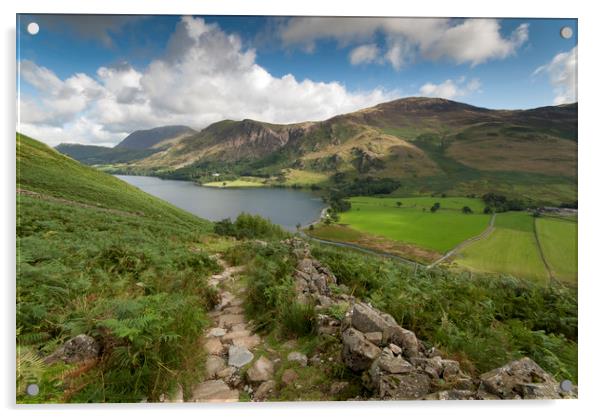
(264, 390)
(226, 372)
(451, 369)
(214, 346)
(213, 365)
(289, 376)
(229, 320)
(262, 370)
(239, 356)
(216, 332)
(315, 360)
(234, 310)
(235, 334)
(328, 330)
(249, 342)
(338, 387)
(79, 348)
(214, 391)
(358, 352)
(297, 357)
(238, 327)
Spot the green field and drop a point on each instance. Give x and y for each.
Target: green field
(558, 238)
(510, 249)
(234, 183)
(413, 223)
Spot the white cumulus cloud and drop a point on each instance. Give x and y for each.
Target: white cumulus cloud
(450, 89)
(472, 41)
(562, 73)
(204, 76)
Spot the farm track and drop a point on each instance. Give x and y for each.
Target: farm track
(490, 228)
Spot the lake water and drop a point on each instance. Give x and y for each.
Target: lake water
(285, 207)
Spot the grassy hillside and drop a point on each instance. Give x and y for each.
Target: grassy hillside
(43, 170)
(99, 257)
(94, 155)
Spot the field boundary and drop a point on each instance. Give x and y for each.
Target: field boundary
(490, 228)
(540, 251)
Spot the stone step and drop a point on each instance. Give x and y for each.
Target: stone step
(214, 391)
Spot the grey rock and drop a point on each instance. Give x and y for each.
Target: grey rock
(403, 338)
(391, 365)
(214, 391)
(264, 390)
(358, 352)
(374, 337)
(452, 395)
(261, 370)
(367, 319)
(412, 385)
(79, 348)
(239, 356)
(289, 376)
(298, 358)
(213, 365)
(522, 379)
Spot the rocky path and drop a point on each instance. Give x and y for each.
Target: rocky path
(229, 343)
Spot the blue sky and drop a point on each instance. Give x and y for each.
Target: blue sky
(93, 79)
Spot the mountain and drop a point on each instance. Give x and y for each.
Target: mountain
(92, 154)
(136, 146)
(428, 145)
(155, 137)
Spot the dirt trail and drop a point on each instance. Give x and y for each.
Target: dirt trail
(490, 228)
(229, 342)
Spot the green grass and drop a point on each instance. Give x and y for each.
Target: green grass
(558, 238)
(413, 223)
(510, 249)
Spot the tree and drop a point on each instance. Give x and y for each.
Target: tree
(398, 204)
(487, 210)
(298, 226)
(435, 207)
(466, 209)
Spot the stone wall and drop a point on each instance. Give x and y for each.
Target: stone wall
(394, 363)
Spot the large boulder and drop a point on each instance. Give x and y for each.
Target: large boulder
(520, 379)
(77, 349)
(367, 319)
(358, 352)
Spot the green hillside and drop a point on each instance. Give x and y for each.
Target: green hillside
(43, 170)
(96, 256)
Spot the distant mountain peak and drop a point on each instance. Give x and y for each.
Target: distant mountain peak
(147, 138)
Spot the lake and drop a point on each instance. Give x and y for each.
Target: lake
(285, 207)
